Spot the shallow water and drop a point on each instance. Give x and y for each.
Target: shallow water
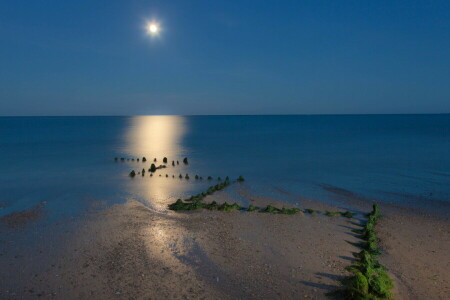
(67, 162)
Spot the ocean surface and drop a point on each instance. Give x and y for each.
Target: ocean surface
(67, 163)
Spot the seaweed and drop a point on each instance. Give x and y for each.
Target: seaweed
(132, 173)
(332, 213)
(348, 214)
(270, 209)
(370, 279)
(199, 197)
(165, 160)
(180, 205)
(289, 211)
(240, 179)
(253, 208)
(229, 207)
(211, 206)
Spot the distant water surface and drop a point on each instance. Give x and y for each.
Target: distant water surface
(67, 162)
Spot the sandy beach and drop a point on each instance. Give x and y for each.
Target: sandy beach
(128, 251)
(224, 150)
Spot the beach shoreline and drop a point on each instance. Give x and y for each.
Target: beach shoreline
(129, 251)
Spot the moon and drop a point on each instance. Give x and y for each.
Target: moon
(152, 28)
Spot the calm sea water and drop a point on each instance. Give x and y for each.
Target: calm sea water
(67, 162)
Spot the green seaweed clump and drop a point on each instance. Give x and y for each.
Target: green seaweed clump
(357, 287)
(209, 178)
(132, 173)
(211, 206)
(185, 161)
(252, 208)
(143, 172)
(229, 207)
(144, 159)
(173, 163)
(165, 160)
(152, 168)
(240, 179)
(180, 205)
(289, 211)
(116, 159)
(270, 209)
(284, 211)
(181, 176)
(196, 177)
(332, 213)
(348, 214)
(187, 176)
(122, 159)
(379, 284)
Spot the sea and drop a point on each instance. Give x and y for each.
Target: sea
(67, 164)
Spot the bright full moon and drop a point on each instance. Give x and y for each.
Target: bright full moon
(152, 28)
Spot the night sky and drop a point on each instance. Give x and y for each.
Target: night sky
(224, 57)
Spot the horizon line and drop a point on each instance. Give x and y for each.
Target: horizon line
(220, 115)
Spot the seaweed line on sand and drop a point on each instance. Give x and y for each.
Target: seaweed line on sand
(196, 202)
(369, 279)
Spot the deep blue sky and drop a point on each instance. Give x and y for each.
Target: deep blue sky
(224, 57)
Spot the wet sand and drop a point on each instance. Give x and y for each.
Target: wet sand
(128, 251)
(21, 218)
